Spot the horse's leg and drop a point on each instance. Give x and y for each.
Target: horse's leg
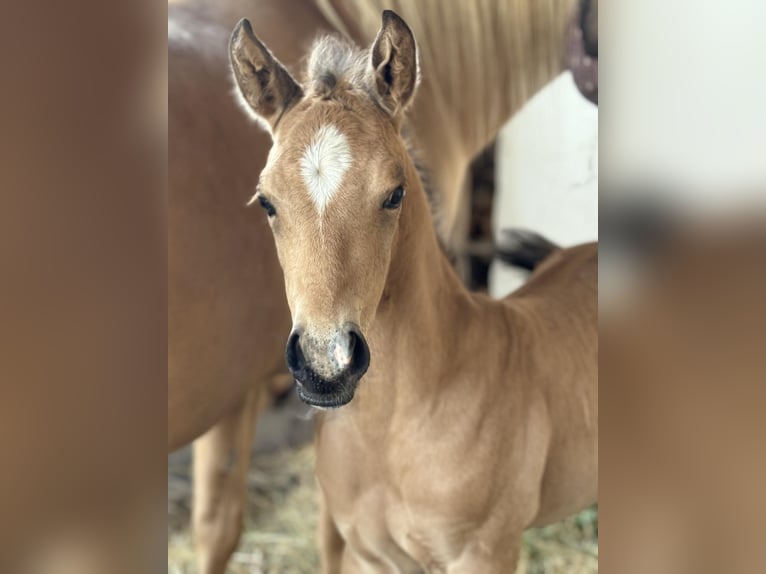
(331, 544)
(221, 464)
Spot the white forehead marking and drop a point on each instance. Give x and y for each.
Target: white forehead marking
(324, 163)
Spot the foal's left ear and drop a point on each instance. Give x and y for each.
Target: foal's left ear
(394, 63)
(265, 85)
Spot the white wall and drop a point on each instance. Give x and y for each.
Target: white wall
(547, 173)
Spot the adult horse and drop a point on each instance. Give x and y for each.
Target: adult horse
(226, 306)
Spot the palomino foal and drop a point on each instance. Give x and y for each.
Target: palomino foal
(476, 418)
(227, 313)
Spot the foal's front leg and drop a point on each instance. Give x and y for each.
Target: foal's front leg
(331, 543)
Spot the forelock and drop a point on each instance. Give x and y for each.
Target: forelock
(336, 65)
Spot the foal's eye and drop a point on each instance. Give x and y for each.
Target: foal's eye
(266, 205)
(394, 200)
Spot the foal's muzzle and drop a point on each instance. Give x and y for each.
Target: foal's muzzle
(327, 368)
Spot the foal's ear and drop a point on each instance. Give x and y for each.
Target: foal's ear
(394, 62)
(264, 84)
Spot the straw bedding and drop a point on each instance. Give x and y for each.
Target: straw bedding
(279, 535)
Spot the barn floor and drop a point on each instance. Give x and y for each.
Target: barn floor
(282, 512)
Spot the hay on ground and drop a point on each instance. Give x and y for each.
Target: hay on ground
(280, 527)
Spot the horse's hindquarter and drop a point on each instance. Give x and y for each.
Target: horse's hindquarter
(564, 300)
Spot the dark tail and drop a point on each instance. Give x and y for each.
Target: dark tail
(524, 249)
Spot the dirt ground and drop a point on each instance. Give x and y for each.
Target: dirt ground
(281, 519)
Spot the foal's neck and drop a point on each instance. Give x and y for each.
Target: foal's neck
(427, 318)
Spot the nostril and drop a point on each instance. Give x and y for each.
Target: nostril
(360, 352)
(352, 339)
(293, 354)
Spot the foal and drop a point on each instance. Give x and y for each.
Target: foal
(476, 418)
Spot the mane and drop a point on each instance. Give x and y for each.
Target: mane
(457, 35)
(434, 198)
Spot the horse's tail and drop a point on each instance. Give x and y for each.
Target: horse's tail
(524, 249)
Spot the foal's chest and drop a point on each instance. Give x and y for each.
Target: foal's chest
(380, 527)
(402, 512)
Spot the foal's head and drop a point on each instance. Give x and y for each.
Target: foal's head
(332, 189)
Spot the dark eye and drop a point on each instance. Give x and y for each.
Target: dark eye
(395, 199)
(266, 205)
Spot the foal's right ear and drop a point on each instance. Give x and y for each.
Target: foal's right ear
(264, 85)
(394, 64)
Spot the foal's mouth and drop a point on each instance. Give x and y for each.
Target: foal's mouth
(317, 391)
(325, 401)
(329, 376)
